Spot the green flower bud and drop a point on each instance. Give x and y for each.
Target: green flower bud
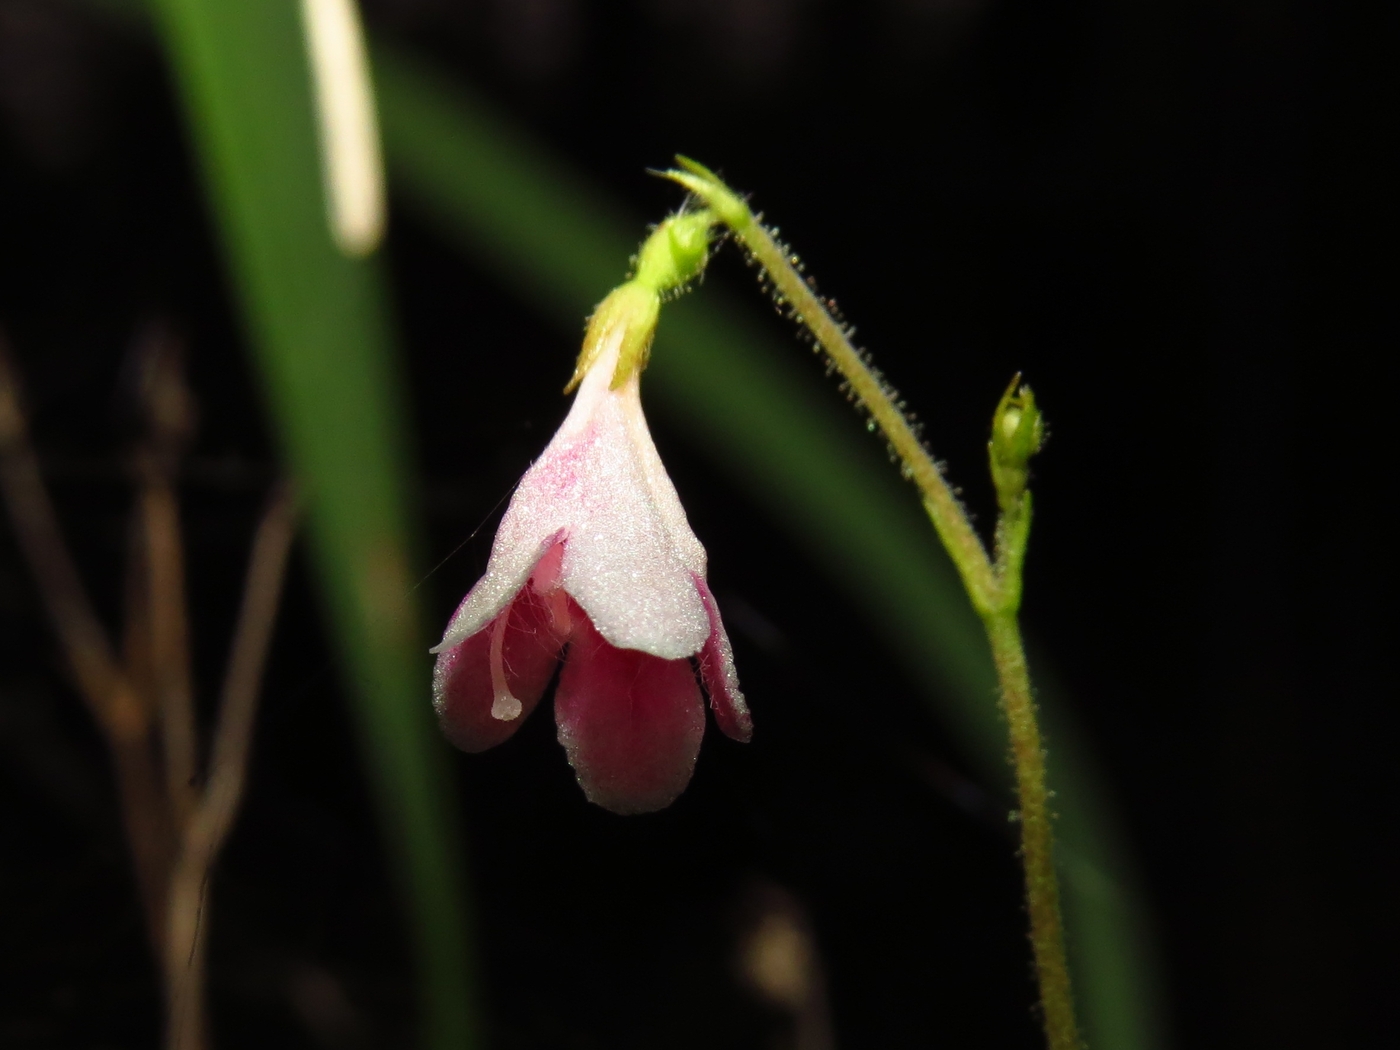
(676, 251)
(1018, 430)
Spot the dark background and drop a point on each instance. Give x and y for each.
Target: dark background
(1169, 216)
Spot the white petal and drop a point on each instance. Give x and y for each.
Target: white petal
(508, 570)
(629, 554)
(658, 482)
(541, 506)
(621, 561)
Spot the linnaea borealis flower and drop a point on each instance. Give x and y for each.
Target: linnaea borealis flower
(595, 564)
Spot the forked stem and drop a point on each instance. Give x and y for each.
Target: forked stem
(174, 843)
(993, 583)
(213, 817)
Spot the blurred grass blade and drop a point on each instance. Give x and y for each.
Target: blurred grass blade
(789, 442)
(318, 321)
(352, 168)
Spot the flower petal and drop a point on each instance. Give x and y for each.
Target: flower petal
(631, 555)
(663, 492)
(463, 692)
(622, 564)
(721, 679)
(514, 554)
(630, 722)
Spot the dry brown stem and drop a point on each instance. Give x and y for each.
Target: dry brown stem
(213, 818)
(169, 417)
(175, 832)
(121, 712)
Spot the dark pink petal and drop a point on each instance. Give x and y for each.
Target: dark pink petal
(462, 685)
(721, 680)
(630, 722)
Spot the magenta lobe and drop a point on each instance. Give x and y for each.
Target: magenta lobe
(630, 722)
(462, 687)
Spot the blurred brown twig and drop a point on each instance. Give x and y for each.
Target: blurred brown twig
(174, 826)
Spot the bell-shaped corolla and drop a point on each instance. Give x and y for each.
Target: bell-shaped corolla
(595, 564)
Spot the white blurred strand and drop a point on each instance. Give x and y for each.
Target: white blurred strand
(352, 164)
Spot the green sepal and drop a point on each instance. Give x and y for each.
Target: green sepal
(635, 308)
(710, 188)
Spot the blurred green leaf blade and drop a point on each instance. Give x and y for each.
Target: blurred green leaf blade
(320, 328)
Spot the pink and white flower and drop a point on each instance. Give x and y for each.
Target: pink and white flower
(594, 562)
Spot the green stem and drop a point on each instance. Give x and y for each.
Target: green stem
(953, 527)
(1037, 833)
(994, 586)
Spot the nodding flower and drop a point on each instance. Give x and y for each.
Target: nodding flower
(594, 563)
